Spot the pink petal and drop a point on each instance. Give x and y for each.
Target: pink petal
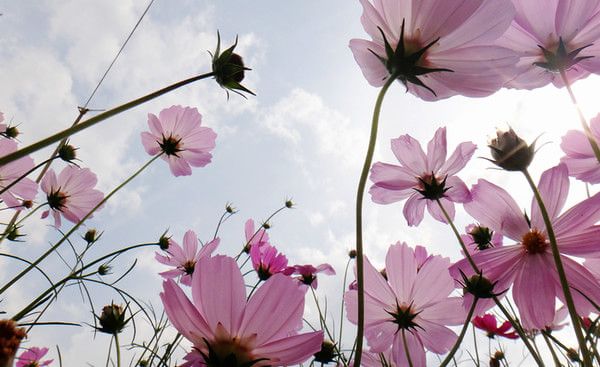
(219, 275)
(415, 350)
(459, 158)
(457, 190)
(554, 188)
(274, 310)
(408, 151)
(436, 151)
(432, 283)
(372, 68)
(183, 315)
(190, 244)
(579, 217)
(414, 209)
(496, 209)
(436, 212)
(582, 282)
(534, 291)
(150, 143)
(402, 270)
(178, 166)
(378, 287)
(436, 338)
(292, 350)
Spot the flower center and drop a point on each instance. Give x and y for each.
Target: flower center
(230, 352)
(431, 187)
(189, 266)
(560, 59)
(534, 242)
(57, 199)
(171, 145)
(404, 316)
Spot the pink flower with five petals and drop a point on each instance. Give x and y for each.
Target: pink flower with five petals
(307, 274)
(550, 35)
(489, 324)
(224, 326)
(437, 48)
(528, 265)
(177, 134)
(32, 357)
(71, 194)
(185, 259)
(421, 178)
(411, 304)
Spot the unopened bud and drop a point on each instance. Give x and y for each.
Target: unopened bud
(289, 203)
(27, 204)
(266, 225)
(327, 354)
(112, 319)
(67, 153)
(352, 254)
(11, 132)
(510, 152)
(104, 269)
(91, 236)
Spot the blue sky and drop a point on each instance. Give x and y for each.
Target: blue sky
(303, 136)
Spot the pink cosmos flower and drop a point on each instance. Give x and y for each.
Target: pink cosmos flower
(258, 238)
(479, 238)
(422, 178)
(185, 259)
(528, 265)
(71, 194)
(224, 326)
(554, 35)
(437, 48)
(267, 261)
(25, 189)
(489, 324)
(580, 158)
(307, 274)
(32, 357)
(410, 304)
(177, 133)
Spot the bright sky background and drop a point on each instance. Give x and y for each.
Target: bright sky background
(303, 136)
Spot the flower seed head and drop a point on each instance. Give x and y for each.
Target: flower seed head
(228, 68)
(112, 319)
(67, 153)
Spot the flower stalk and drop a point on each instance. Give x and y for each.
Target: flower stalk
(359, 204)
(96, 119)
(465, 327)
(75, 227)
(587, 359)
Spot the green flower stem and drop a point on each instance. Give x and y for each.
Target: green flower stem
(324, 325)
(359, 203)
(71, 276)
(75, 227)
(96, 119)
(587, 359)
(582, 119)
(461, 336)
(118, 349)
(552, 351)
(507, 314)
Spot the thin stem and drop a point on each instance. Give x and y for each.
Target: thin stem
(118, 349)
(71, 276)
(340, 335)
(359, 203)
(476, 349)
(508, 316)
(323, 324)
(582, 119)
(76, 226)
(460, 336)
(587, 359)
(552, 351)
(96, 119)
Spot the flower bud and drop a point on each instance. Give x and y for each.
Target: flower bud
(482, 237)
(478, 285)
(510, 152)
(27, 204)
(352, 254)
(327, 354)
(67, 153)
(112, 319)
(229, 208)
(228, 68)
(163, 241)
(91, 236)
(104, 269)
(14, 234)
(266, 225)
(573, 355)
(289, 203)
(11, 132)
